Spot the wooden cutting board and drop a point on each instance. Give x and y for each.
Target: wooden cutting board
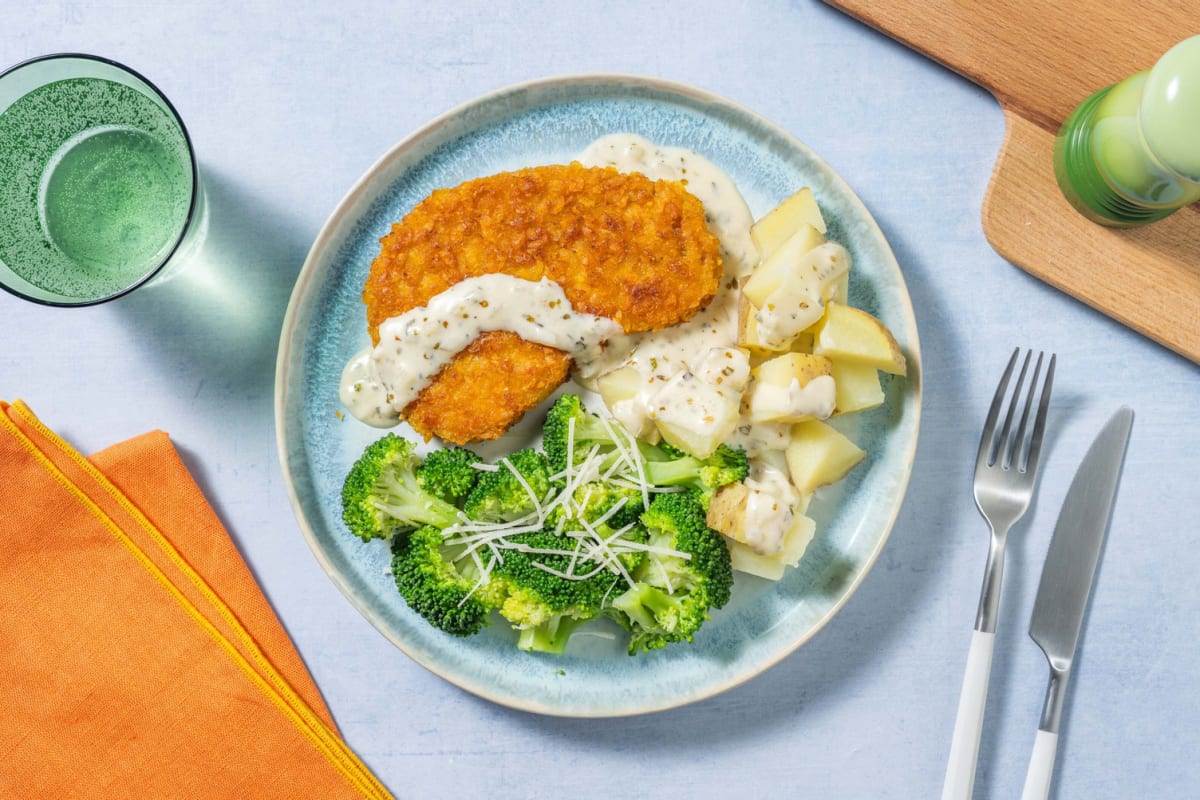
(1041, 59)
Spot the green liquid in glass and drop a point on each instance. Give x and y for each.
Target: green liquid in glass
(108, 201)
(95, 187)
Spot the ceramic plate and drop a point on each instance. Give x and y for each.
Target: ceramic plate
(545, 122)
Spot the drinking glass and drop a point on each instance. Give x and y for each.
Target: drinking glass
(98, 184)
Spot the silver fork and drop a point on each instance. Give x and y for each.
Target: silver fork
(1005, 477)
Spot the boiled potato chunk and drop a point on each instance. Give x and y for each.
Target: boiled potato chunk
(839, 290)
(620, 389)
(727, 510)
(779, 267)
(744, 559)
(748, 331)
(846, 333)
(782, 370)
(858, 387)
(819, 455)
(785, 219)
(757, 437)
(799, 301)
(797, 539)
(790, 388)
(803, 343)
(620, 385)
(772, 567)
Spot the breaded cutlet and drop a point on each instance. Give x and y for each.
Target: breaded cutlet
(621, 246)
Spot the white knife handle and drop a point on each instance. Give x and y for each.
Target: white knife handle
(964, 749)
(1041, 766)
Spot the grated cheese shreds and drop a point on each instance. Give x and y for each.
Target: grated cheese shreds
(485, 575)
(604, 600)
(592, 552)
(666, 579)
(474, 525)
(612, 510)
(570, 448)
(635, 460)
(524, 524)
(521, 547)
(565, 576)
(606, 635)
(575, 557)
(630, 545)
(611, 558)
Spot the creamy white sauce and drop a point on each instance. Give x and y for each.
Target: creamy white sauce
(758, 438)
(770, 507)
(768, 402)
(798, 303)
(363, 394)
(697, 410)
(416, 345)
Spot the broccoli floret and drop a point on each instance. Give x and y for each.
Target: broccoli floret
(542, 627)
(447, 593)
(591, 501)
(554, 551)
(547, 607)
(669, 451)
(664, 464)
(589, 431)
(656, 618)
(448, 474)
(381, 493)
(672, 595)
(677, 520)
(551, 636)
(658, 571)
(726, 465)
(500, 496)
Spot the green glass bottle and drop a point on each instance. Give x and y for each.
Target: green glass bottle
(1130, 153)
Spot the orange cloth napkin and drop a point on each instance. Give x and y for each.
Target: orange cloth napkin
(138, 657)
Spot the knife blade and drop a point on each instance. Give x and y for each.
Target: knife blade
(1066, 583)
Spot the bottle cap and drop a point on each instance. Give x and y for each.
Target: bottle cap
(1170, 110)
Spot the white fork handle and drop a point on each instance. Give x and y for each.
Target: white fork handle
(1041, 766)
(968, 724)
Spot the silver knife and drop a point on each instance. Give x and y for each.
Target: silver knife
(1067, 581)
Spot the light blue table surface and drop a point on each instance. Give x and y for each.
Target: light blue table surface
(288, 103)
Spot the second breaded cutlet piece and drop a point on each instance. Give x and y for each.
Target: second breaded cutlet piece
(621, 246)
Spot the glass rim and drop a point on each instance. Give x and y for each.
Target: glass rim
(187, 138)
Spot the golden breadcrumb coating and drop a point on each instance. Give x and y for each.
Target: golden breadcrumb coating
(454, 406)
(621, 246)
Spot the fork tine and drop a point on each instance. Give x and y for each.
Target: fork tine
(1039, 424)
(986, 440)
(1018, 450)
(1002, 445)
